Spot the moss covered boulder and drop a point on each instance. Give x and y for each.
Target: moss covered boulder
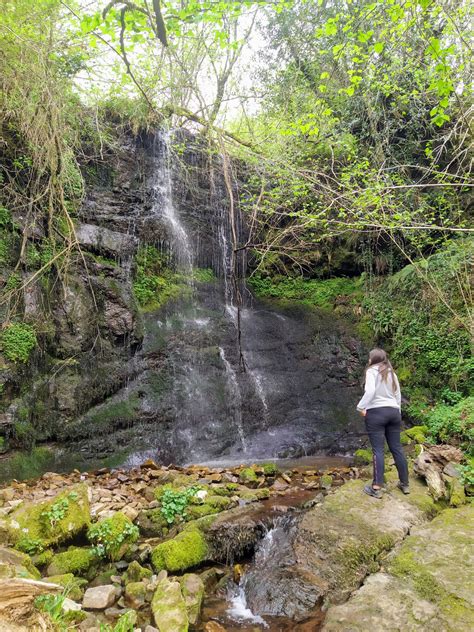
(16, 564)
(76, 560)
(363, 456)
(51, 522)
(113, 536)
(428, 584)
(169, 607)
(248, 476)
(192, 589)
(189, 548)
(136, 573)
(135, 595)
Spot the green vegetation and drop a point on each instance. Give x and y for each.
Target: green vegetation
(174, 503)
(204, 275)
(76, 560)
(112, 536)
(322, 293)
(452, 424)
(154, 283)
(17, 341)
(187, 549)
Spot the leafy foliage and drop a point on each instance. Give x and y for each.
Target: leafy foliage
(111, 534)
(174, 503)
(453, 424)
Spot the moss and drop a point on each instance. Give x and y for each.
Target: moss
(18, 341)
(253, 495)
(248, 475)
(169, 608)
(457, 495)
(76, 560)
(406, 566)
(74, 586)
(186, 550)
(54, 521)
(192, 589)
(136, 572)
(198, 511)
(326, 481)
(360, 555)
(363, 456)
(270, 469)
(43, 558)
(135, 591)
(112, 536)
(16, 564)
(417, 434)
(219, 502)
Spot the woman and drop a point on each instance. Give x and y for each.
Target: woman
(380, 406)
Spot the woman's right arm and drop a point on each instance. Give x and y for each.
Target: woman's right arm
(369, 390)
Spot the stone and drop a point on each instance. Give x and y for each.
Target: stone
(105, 240)
(187, 549)
(135, 595)
(192, 589)
(248, 477)
(76, 560)
(169, 608)
(213, 626)
(130, 512)
(427, 585)
(456, 493)
(136, 573)
(150, 628)
(99, 598)
(53, 521)
(16, 564)
(70, 606)
(426, 466)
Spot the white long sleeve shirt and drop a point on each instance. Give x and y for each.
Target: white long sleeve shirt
(379, 393)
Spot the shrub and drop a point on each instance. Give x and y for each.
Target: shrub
(18, 341)
(452, 424)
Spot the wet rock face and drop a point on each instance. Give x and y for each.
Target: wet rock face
(177, 382)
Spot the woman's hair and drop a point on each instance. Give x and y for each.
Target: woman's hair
(380, 357)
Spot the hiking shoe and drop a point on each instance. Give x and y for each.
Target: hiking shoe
(376, 493)
(405, 489)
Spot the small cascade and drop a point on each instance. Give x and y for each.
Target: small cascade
(181, 248)
(235, 397)
(248, 600)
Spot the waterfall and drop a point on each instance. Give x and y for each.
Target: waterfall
(163, 201)
(235, 397)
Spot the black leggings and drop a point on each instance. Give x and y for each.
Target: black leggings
(384, 423)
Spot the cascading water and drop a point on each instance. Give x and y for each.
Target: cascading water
(227, 377)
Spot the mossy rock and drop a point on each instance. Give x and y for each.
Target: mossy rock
(74, 586)
(16, 564)
(51, 522)
(187, 549)
(326, 481)
(169, 607)
(248, 477)
(254, 495)
(219, 502)
(457, 495)
(417, 434)
(43, 558)
(198, 511)
(76, 560)
(152, 523)
(113, 536)
(135, 594)
(363, 456)
(192, 589)
(270, 469)
(136, 573)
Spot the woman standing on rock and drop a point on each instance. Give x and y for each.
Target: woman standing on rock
(380, 406)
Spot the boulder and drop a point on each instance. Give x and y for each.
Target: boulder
(76, 560)
(114, 535)
(192, 589)
(169, 607)
(51, 521)
(99, 598)
(16, 564)
(136, 573)
(135, 595)
(189, 548)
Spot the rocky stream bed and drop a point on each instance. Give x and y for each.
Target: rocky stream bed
(247, 548)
